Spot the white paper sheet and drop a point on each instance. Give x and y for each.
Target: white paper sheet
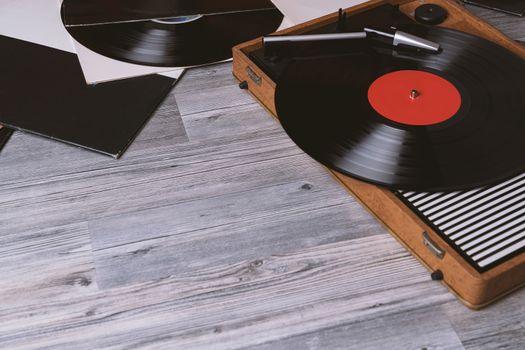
(36, 21)
(299, 11)
(98, 68)
(287, 23)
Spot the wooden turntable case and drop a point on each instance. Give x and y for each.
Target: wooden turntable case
(473, 288)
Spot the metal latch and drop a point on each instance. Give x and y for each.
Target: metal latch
(432, 246)
(253, 76)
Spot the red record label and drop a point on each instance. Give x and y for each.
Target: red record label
(414, 97)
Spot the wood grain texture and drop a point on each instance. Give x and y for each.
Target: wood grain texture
(401, 331)
(213, 232)
(499, 326)
(219, 122)
(209, 89)
(179, 240)
(224, 305)
(512, 26)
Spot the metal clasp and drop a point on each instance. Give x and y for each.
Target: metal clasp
(253, 76)
(432, 246)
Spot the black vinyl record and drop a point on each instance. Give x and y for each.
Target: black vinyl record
(205, 39)
(86, 12)
(325, 106)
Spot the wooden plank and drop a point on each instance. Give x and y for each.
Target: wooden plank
(512, 26)
(214, 211)
(218, 90)
(220, 123)
(47, 268)
(427, 328)
(499, 326)
(209, 77)
(180, 252)
(196, 171)
(230, 306)
(164, 129)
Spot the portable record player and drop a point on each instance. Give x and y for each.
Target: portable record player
(473, 240)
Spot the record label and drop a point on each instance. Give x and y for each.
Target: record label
(414, 97)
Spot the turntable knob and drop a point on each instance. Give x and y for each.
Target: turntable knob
(431, 14)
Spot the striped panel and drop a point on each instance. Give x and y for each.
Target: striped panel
(485, 225)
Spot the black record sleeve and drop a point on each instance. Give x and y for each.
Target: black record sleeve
(43, 91)
(5, 134)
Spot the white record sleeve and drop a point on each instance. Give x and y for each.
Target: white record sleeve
(35, 21)
(99, 69)
(39, 22)
(287, 23)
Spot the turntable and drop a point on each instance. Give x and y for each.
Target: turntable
(429, 142)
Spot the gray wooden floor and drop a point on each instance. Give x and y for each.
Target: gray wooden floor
(213, 232)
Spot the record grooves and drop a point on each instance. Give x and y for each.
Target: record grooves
(182, 42)
(82, 12)
(323, 105)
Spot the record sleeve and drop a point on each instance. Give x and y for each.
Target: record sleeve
(45, 23)
(56, 102)
(5, 134)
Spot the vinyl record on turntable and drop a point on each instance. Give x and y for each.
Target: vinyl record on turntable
(181, 41)
(434, 122)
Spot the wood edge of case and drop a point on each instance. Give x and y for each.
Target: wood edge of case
(475, 290)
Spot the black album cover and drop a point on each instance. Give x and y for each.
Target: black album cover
(43, 91)
(5, 134)
(514, 7)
